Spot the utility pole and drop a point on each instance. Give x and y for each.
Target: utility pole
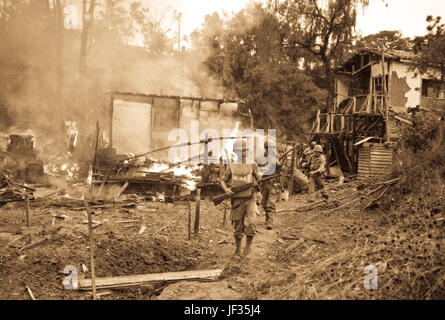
(178, 17)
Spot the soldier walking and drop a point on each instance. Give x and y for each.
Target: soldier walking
(243, 203)
(317, 167)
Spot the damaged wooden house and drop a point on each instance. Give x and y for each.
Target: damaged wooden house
(374, 91)
(139, 130)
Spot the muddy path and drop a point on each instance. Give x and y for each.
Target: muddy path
(285, 263)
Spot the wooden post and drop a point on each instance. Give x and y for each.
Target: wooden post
(328, 122)
(318, 121)
(189, 220)
(385, 97)
(28, 223)
(206, 151)
(96, 147)
(221, 176)
(294, 161)
(198, 204)
(354, 106)
(90, 232)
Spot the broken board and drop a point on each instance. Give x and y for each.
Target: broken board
(137, 280)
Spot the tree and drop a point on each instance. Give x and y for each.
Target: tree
(322, 29)
(430, 49)
(154, 36)
(87, 22)
(247, 56)
(386, 39)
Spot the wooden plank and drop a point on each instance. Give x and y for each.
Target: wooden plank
(122, 190)
(136, 280)
(6, 236)
(404, 120)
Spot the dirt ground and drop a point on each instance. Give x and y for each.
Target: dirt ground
(295, 260)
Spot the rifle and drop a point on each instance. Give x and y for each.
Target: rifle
(221, 197)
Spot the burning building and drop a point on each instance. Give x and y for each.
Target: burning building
(139, 141)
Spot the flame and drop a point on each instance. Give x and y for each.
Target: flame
(227, 152)
(185, 172)
(158, 167)
(61, 167)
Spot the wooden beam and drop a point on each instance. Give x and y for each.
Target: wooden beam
(362, 68)
(137, 280)
(404, 120)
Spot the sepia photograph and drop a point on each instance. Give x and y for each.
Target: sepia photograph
(223, 154)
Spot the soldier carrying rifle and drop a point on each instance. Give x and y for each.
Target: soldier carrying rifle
(244, 202)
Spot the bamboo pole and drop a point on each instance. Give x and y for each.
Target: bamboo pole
(197, 212)
(91, 236)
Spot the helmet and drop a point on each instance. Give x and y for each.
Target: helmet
(318, 148)
(240, 144)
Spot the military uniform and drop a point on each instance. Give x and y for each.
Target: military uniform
(317, 167)
(270, 192)
(244, 203)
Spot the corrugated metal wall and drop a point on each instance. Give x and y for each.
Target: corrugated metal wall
(374, 159)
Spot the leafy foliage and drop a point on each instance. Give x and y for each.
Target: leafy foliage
(247, 54)
(323, 29)
(387, 39)
(431, 47)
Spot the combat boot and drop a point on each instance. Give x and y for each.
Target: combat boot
(247, 249)
(237, 247)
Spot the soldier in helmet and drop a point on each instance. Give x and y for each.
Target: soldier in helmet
(307, 154)
(317, 166)
(243, 203)
(270, 189)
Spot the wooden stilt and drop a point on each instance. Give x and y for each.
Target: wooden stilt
(28, 222)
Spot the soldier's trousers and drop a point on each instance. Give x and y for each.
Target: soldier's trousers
(243, 216)
(270, 197)
(317, 181)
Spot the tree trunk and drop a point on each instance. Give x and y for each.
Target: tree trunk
(87, 21)
(329, 83)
